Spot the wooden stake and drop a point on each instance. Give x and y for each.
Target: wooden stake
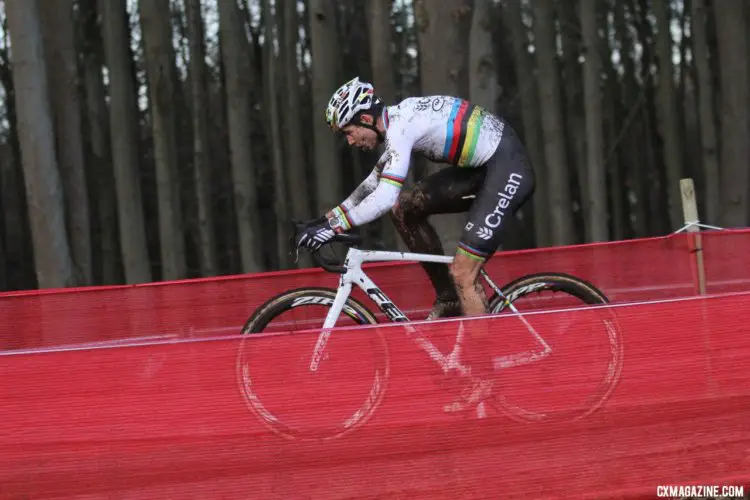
(690, 214)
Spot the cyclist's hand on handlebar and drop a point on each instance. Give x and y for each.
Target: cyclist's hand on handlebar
(297, 228)
(314, 237)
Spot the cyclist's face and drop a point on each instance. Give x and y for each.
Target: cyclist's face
(361, 137)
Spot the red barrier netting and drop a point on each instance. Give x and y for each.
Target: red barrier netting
(629, 270)
(666, 383)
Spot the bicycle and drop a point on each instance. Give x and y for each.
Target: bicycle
(339, 302)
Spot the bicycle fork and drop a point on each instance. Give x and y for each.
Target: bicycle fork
(344, 290)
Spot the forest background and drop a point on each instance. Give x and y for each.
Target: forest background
(166, 139)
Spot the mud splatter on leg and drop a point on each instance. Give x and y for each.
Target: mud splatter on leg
(470, 290)
(443, 192)
(410, 219)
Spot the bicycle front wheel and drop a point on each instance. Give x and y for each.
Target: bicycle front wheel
(584, 361)
(311, 385)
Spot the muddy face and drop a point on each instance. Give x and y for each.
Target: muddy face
(360, 137)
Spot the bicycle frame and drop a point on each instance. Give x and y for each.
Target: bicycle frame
(355, 275)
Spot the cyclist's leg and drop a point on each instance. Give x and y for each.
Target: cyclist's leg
(441, 192)
(508, 185)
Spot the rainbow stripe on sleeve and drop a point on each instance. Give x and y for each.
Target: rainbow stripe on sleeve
(393, 180)
(343, 215)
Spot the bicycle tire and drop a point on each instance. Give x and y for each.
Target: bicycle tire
(275, 306)
(312, 430)
(534, 283)
(588, 294)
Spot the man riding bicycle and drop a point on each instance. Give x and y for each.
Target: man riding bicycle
(485, 157)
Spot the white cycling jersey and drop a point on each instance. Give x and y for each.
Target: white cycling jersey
(443, 129)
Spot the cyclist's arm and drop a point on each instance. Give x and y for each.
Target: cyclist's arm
(360, 192)
(395, 166)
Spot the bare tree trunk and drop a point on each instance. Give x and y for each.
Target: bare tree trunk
(445, 71)
(239, 82)
(731, 27)
(668, 116)
(18, 244)
(618, 185)
(54, 265)
(574, 119)
(280, 196)
(384, 81)
(227, 234)
(104, 195)
(617, 132)
(159, 55)
(296, 164)
(558, 172)
(632, 99)
(201, 147)
(3, 268)
(56, 18)
(654, 172)
(324, 83)
(381, 56)
(123, 118)
(17, 251)
(707, 113)
(483, 86)
(596, 210)
(642, 142)
(296, 160)
(530, 113)
(685, 97)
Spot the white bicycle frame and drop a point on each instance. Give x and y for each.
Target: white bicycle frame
(355, 275)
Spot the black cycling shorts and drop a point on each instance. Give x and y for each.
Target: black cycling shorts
(508, 183)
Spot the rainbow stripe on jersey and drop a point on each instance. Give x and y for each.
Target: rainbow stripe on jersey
(462, 133)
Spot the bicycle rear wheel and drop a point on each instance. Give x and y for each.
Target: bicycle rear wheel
(275, 376)
(586, 350)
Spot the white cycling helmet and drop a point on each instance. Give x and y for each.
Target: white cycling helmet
(351, 98)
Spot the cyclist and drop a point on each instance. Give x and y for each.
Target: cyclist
(485, 158)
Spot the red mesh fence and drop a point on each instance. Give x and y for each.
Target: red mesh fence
(203, 418)
(631, 270)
